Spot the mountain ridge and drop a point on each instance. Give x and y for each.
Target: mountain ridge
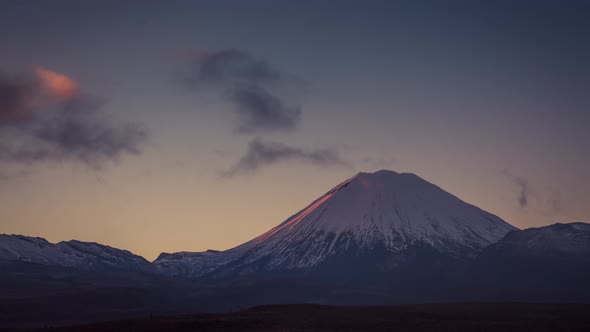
(72, 253)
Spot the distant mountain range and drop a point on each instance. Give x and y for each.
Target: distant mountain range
(76, 254)
(375, 238)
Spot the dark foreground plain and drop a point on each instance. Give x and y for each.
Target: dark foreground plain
(307, 317)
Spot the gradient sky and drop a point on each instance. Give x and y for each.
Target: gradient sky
(488, 99)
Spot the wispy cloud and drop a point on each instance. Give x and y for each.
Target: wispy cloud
(255, 89)
(259, 110)
(523, 187)
(261, 154)
(47, 117)
(547, 201)
(261, 99)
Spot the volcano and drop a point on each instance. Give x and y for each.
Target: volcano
(378, 221)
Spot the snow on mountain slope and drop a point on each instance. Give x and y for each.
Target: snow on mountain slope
(83, 255)
(370, 211)
(570, 240)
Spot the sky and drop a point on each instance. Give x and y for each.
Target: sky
(164, 126)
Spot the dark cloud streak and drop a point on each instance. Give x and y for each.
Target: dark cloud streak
(261, 154)
(250, 84)
(523, 187)
(259, 110)
(548, 201)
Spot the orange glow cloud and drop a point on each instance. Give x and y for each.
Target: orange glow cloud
(57, 84)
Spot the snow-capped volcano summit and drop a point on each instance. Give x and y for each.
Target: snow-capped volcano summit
(384, 212)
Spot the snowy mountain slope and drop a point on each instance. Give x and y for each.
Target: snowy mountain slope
(30, 249)
(383, 212)
(83, 255)
(558, 240)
